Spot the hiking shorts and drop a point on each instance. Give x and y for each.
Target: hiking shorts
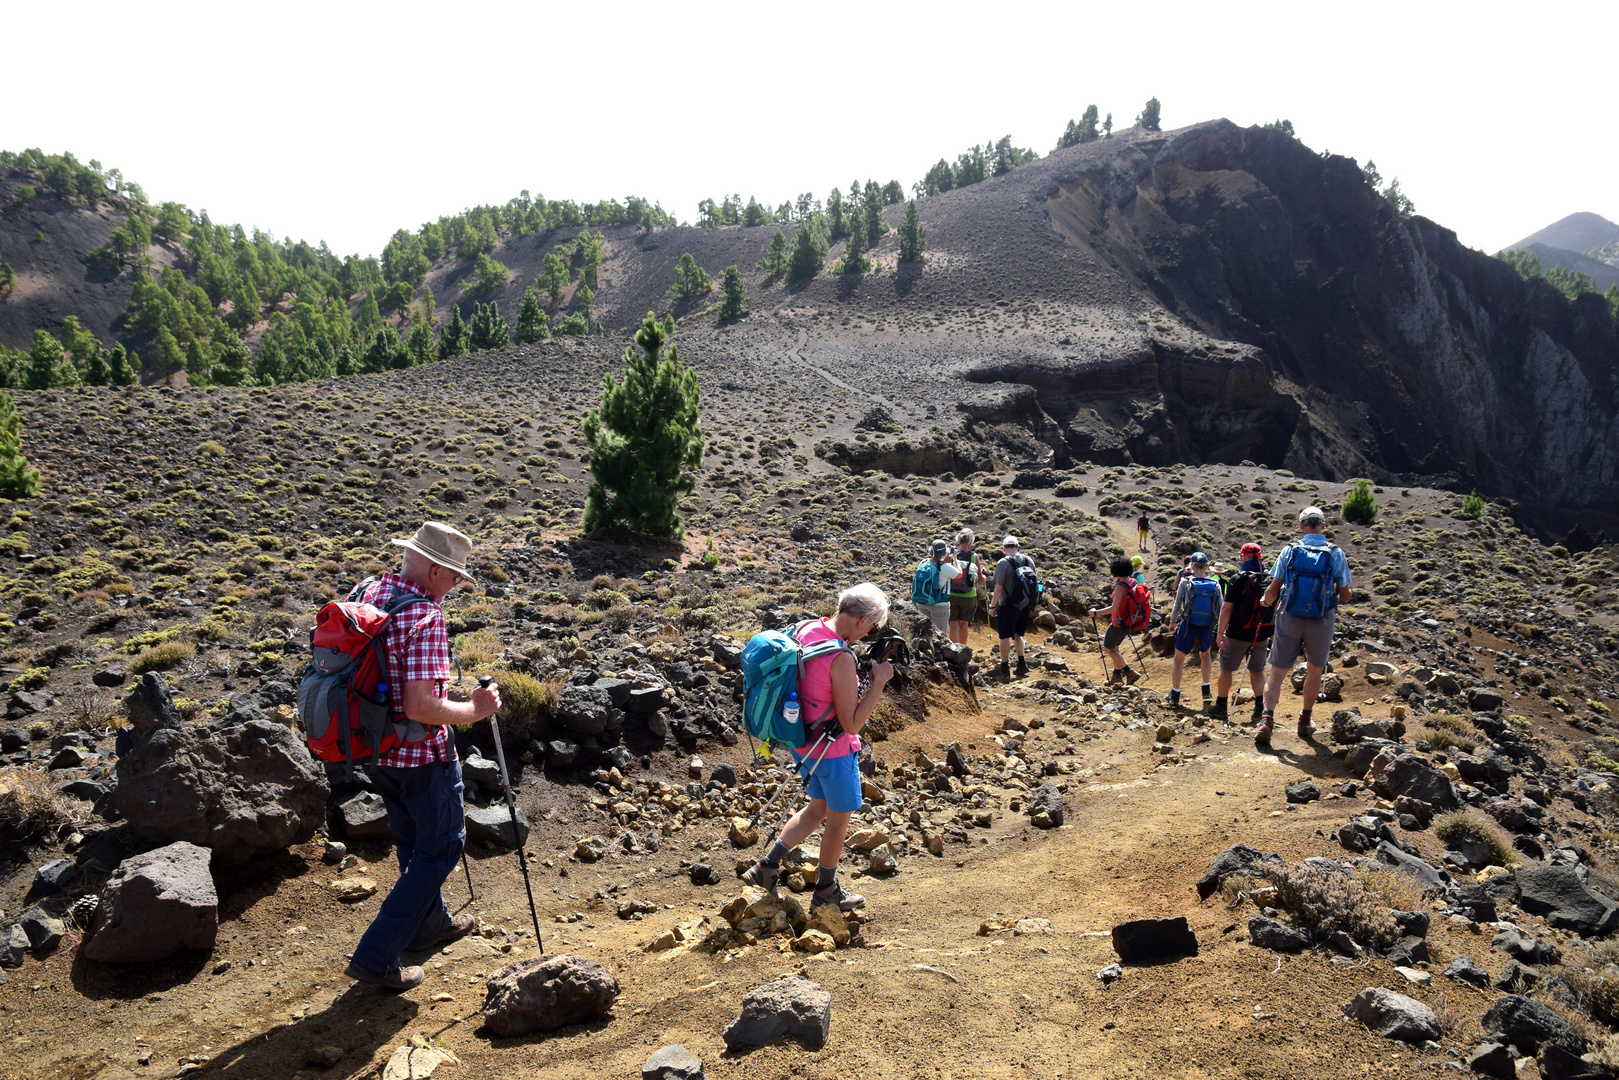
(940, 614)
(836, 780)
(1189, 638)
(1011, 622)
(1314, 636)
(1235, 650)
(963, 608)
(1115, 636)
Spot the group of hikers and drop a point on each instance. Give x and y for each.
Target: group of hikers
(1290, 608)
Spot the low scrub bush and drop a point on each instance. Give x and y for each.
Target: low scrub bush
(1459, 827)
(1324, 903)
(525, 704)
(161, 657)
(30, 806)
(478, 649)
(1445, 731)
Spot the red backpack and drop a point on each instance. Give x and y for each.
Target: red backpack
(343, 700)
(1135, 610)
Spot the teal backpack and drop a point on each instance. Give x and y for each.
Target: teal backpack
(925, 587)
(772, 663)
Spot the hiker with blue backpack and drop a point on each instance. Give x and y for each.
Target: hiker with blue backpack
(803, 689)
(1309, 581)
(930, 584)
(1192, 620)
(1017, 594)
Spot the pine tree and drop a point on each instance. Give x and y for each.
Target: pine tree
(834, 216)
(913, 238)
(736, 295)
(775, 261)
(45, 361)
(270, 366)
(487, 329)
(17, 479)
(691, 280)
(553, 276)
(1107, 126)
(123, 369)
(197, 364)
(809, 251)
(644, 440)
(234, 364)
(584, 300)
(170, 357)
(370, 317)
(875, 225)
(95, 368)
(345, 361)
(1148, 120)
(420, 343)
(854, 254)
(532, 323)
(385, 351)
(453, 342)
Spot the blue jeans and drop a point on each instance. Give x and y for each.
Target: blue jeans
(429, 827)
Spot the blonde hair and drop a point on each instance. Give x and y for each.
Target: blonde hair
(864, 601)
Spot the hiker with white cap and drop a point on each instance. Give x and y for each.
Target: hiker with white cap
(420, 780)
(1310, 579)
(930, 584)
(1017, 592)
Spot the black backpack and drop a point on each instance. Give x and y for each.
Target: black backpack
(1023, 593)
(1250, 621)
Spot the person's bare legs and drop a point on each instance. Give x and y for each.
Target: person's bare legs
(837, 827)
(1207, 662)
(958, 632)
(1175, 670)
(804, 822)
(1273, 686)
(1222, 685)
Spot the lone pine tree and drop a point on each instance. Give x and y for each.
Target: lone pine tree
(532, 323)
(487, 329)
(775, 261)
(453, 342)
(644, 440)
(913, 239)
(809, 250)
(736, 295)
(854, 253)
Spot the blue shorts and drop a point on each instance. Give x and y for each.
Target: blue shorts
(1189, 638)
(836, 779)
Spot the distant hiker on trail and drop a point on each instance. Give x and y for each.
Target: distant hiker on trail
(930, 584)
(1143, 531)
(1017, 593)
(964, 590)
(1136, 571)
(1192, 620)
(1130, 610)
(1311, 578)
(832, 682)
(420, 782)
(1246, 626)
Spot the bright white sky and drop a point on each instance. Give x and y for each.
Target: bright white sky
(346, 121)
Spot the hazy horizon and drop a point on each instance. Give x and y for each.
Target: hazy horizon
(354, 125)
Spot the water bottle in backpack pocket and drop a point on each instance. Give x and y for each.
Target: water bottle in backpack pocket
(772, 662)
(1311, 590)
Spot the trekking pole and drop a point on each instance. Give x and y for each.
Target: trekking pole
(820, 744)
(1137, 647)
(471, 896)
(511, 805)
(1107, 672)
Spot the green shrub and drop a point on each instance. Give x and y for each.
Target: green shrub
(32, 679)
(1359, 506)
(525, 703)
(1459, 827)
(161, 657)
(1473, 506)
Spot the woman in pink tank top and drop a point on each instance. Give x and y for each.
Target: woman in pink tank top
(830, 688)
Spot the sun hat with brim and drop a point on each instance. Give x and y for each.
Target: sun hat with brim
(442, 544)
(1010, 541)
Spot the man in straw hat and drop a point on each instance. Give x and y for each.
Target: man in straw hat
(420, 780)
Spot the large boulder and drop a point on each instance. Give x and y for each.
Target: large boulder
(243, 791)
(584, 709)
(494, 824)
(1566, 902)
(364, 816)
(1393, 1016)
(1047, 800)
(1528, 1024)
(544, 993)
(791, 1006)
(1431, 878)
(1411, 776)
(1266, 933)
(1236, 859)
(151, 707)
(154, 905)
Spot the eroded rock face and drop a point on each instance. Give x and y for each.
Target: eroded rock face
(154, 905)
(545, 993)
(243, 791)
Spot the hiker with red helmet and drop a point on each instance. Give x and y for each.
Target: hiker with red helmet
(1245, 630)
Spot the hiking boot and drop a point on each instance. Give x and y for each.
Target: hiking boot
(761, 876)
(1306, 727)
(1208, 695)
(1022, 667)
(1259, 712)
(1172, 700)
(397, 980)
(1004, 672)
(835, 893)
(1115, 677)
(1220, 712)
(460, 926)
(1132, 676)
(1263, 732)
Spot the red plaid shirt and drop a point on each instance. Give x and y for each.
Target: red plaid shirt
(418, 647)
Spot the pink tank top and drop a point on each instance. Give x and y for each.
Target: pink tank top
(815, 689)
